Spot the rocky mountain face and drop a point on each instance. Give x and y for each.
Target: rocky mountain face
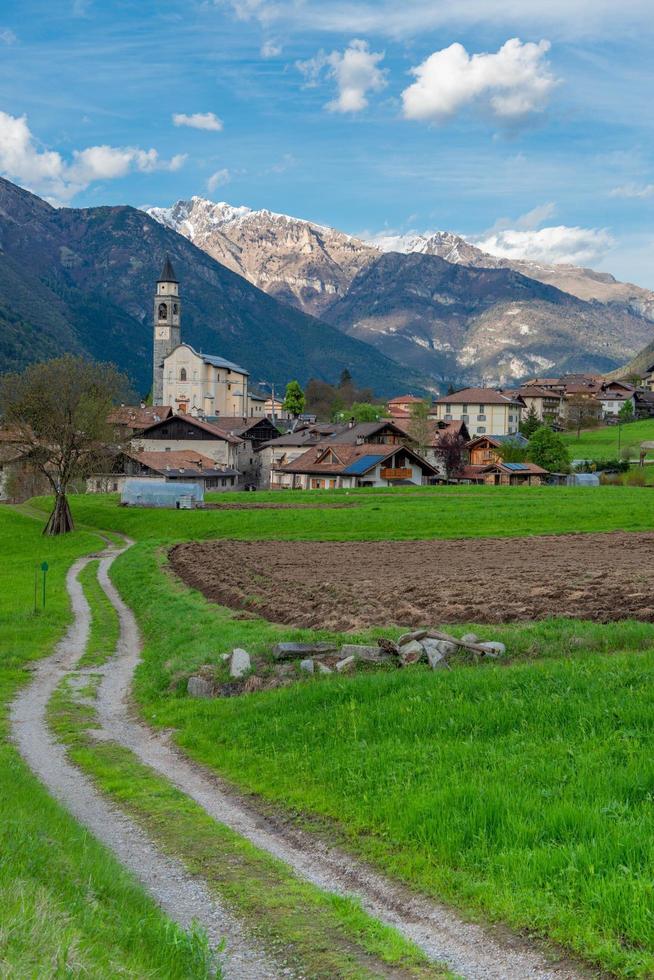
(492, 325)
(82, 280)
(583, 283)
(520, 319)
(300, 263)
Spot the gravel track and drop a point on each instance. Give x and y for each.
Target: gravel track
(184, 898)
(468, 949)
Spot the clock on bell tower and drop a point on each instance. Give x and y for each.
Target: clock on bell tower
(167, 325)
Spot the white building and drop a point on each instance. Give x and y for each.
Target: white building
(484, 411)
(191, 382)
(203, 384)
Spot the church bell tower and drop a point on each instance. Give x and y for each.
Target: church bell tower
(167, 332)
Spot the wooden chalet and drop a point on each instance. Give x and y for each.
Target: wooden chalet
(332, 465)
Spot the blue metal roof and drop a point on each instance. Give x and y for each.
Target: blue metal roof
(362, 465)
(516, 466)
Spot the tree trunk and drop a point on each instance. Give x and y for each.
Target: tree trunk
(61, 519)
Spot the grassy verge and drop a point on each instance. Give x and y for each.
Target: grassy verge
(318, 934)
(68, 908)
(105, 627)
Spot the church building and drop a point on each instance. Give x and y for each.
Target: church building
(192, 383)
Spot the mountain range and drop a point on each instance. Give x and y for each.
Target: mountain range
(83, 279)
(290, 298)
(434, 303)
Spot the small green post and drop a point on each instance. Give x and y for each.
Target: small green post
(44, 569)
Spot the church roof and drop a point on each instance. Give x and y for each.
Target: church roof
(167, 273)
(220, 362)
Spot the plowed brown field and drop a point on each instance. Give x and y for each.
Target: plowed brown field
(352, 584)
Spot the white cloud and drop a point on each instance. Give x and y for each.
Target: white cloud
(510, 85)
(217, 179)
(388, 18)
(46, 172)
(7, 36)
(198, 120)
(556, 244)
(271, 49)
(633, 190)
(355, 72)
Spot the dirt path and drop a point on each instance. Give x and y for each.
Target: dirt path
(468, 949)
(183, 897)
(343, 585)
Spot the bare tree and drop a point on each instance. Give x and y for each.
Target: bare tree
(583, 412)
(420, 426)
(450, 449)
(57, 411)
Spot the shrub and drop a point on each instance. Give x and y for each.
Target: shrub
(635, 478)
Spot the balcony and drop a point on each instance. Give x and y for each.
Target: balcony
(397, 473)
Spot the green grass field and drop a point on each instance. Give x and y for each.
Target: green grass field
(521, 793)
(430, 512)
(68, 909)
(607, 441)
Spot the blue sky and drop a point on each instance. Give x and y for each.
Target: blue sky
(359, 115)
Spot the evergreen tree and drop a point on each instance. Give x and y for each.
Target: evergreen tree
(346, 378)
(530, 423)
(548, 450)
(294, 399)
(626, 413)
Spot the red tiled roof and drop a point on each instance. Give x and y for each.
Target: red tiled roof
(436, 429)
(344, 455)
(401, 399)
(179, 460)
(477, 396)
(137, 416)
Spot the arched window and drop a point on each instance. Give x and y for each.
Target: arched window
(182, 374)
(163, 311)
(175, 308)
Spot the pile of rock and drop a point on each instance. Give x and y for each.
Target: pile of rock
(437, 647)
(422, 645)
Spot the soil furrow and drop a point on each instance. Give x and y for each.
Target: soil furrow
(351, 585)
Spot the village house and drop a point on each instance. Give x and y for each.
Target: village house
(253, 433)
(546, 402)
(176, 465)
(184, 433)
(129, 420)
(332, 465)
(504, 474)
(288, 447)
(613, 396)
(400, 407)
(383, 432)
(431, 450)
(644, 404)
(488, 449)
(484, 411)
